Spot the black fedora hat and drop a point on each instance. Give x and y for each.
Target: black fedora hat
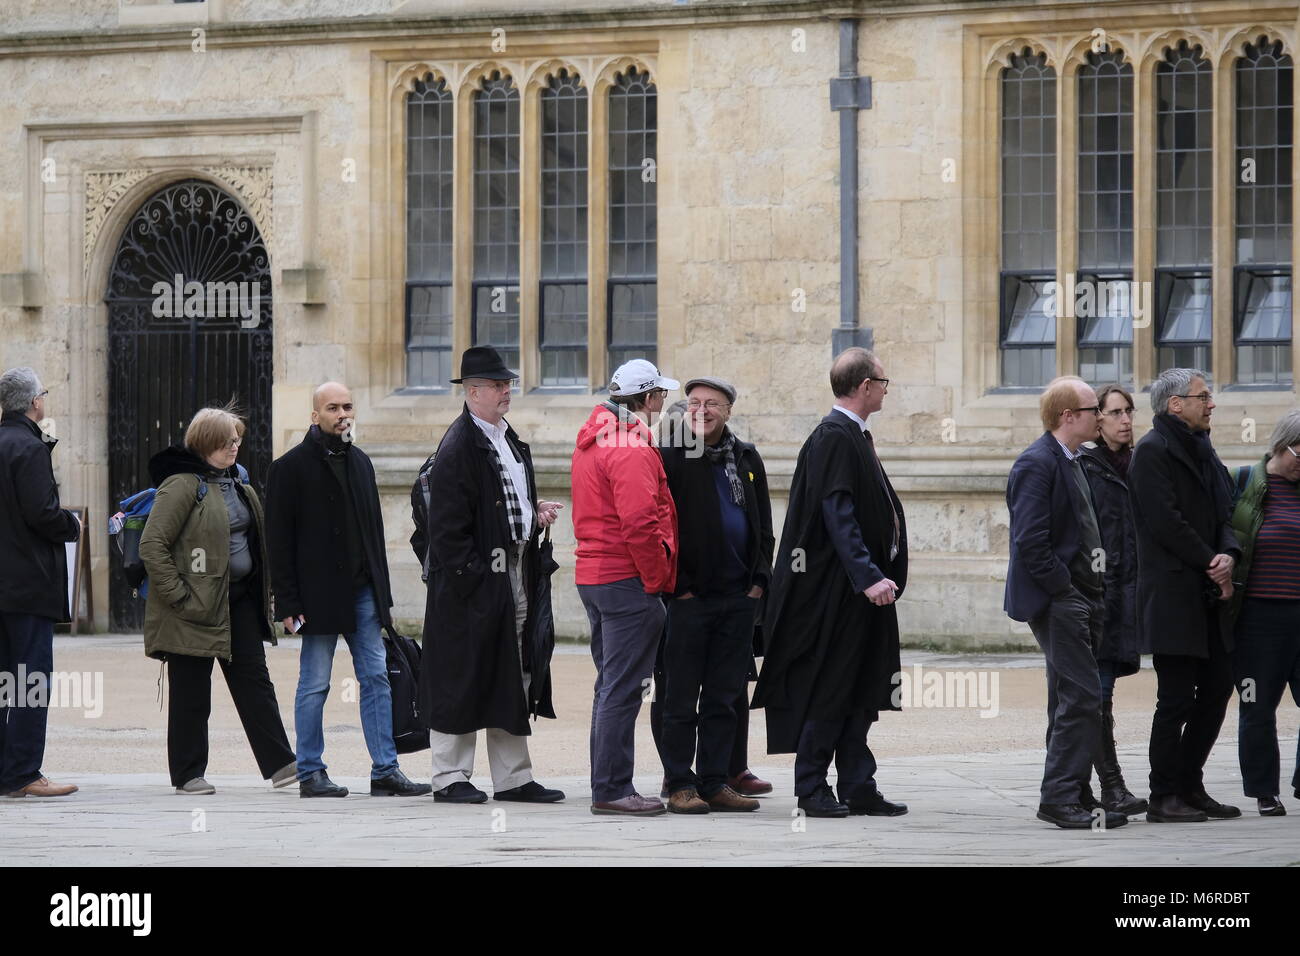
(483, 361)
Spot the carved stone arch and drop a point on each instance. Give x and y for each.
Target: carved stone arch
(405, 80)
(1235, 41)
(608, 71)
(540, 74)
(1153, 51)
(1003, 51)
(1076, 54)
(474, 75)
(114, 196)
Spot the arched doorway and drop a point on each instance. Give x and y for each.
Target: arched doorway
(189, 325)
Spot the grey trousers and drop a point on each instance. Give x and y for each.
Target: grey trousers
(508, 760)
(625, 627)
(1069, 633)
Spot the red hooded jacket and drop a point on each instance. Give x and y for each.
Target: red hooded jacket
(624, 518)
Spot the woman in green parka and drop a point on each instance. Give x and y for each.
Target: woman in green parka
(1265, 610)
(204, 550)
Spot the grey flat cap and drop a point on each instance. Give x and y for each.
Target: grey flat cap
(721, 385)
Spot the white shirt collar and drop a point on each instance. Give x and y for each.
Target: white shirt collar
(497, 431)
(861, 422)
(1069, 455)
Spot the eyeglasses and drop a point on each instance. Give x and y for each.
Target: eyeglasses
(1118, 413)
(656, 391)
(1095, 409)
(503, 385)
(1204, 396)
(40, 394)
(1292, 451)
(882, 381)
(234, 442)
(694, 404)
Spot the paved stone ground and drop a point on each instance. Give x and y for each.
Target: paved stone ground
(965, 810)
(969, 804)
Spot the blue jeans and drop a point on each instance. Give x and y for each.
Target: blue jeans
(370, 663)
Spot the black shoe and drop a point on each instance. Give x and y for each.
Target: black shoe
(1073, 816)
(1210, 807)
(1115, 795)
(462, 791)
(1088, 801)
(822, 803)
(1172, 809)
(1271, 807)
(396, 785)
(873, 804)
(1121, 801)
(317, 784)
(531, 792)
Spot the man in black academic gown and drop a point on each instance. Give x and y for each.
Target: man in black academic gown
(832, 663)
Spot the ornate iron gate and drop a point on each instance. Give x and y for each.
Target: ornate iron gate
(189, 325)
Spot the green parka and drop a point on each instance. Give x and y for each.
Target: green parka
(1247, 516)
(185, 548)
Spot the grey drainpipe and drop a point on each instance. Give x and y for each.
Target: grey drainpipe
(849, 93)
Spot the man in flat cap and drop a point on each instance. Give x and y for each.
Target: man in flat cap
(483, 534)
(724, 566)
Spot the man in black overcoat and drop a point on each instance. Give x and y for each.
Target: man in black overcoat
(832, 659)
(34, 529)
(1182, 498)
(483, 535)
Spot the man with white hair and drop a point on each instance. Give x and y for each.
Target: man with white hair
(33, 582)
(1187, 552)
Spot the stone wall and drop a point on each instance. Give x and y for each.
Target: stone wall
(748, 227)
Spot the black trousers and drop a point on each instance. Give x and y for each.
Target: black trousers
(190, 703)
(843, 739)
(26, 642)
(739, 762)
(706, 663)
(1191, 698)
(1069, 632)
(1265, 661)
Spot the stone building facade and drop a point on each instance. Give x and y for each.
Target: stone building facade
(299, 115)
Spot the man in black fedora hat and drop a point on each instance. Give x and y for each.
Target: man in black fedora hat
(484, 526)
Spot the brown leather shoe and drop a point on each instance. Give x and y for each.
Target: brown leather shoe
(44, 787)
(633, 805)
(748, 785)
(687, 801)
(727, 799)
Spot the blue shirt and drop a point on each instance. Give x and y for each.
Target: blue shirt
(734, 573)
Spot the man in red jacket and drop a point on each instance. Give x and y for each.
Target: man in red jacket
(626, 530)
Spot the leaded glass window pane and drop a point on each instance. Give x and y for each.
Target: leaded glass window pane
(563, 319)
(1262, 280)
(1103, 308)
(1184, 219)
(1028, 190)
(430, 121)
(633, 225)
(496, 217)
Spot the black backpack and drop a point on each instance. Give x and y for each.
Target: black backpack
(420, 515)
(403, 654)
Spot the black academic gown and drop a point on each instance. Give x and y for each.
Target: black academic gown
(830, 651)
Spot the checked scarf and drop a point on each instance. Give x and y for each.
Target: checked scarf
(724, 453)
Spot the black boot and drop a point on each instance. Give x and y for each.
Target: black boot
(1114, 795)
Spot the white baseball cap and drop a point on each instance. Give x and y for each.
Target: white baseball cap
(637, 376)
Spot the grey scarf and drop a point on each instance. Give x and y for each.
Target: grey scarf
(724, 453)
